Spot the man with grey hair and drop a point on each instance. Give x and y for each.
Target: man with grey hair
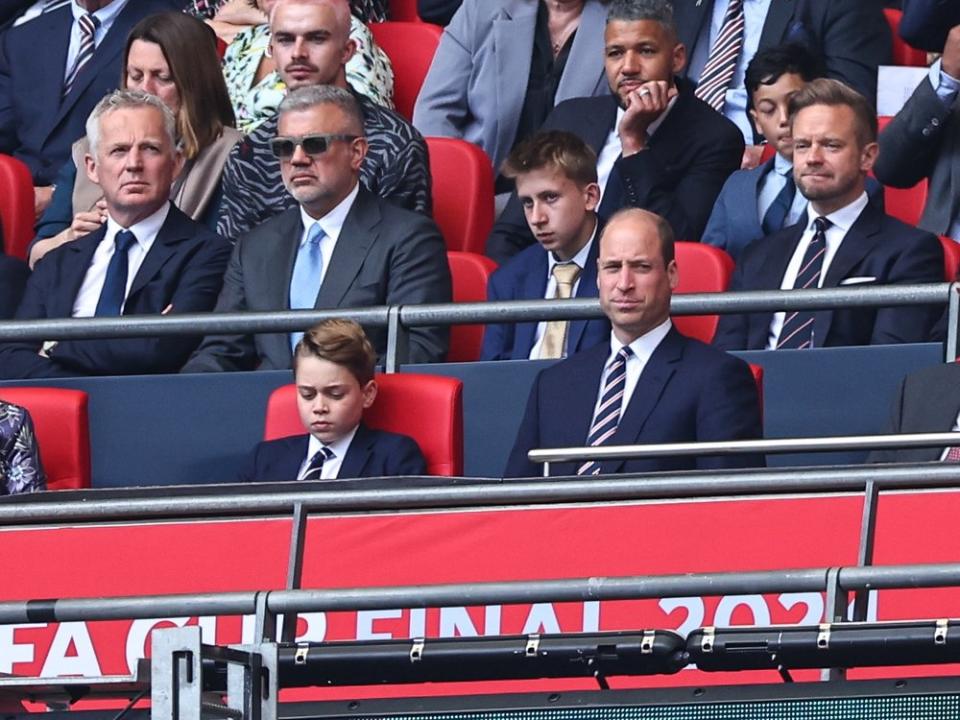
(148, 258)
(341, 246)
(310, 45)
(659, 147)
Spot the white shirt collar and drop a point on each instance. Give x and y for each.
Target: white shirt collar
(144, 231)
(781, 165)
(106, 15)
(337, 447)
(843, 218)
(580, 258)
(644, 345)
(332, 222)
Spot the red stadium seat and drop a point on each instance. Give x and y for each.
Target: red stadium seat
(428, 408)
(16, 206)
(903, 54)
(905, 204)
(767, 153)
(703, 268)
(462, 179)
(951, 258)
(470, 273)
(410, 47)
(63, 432)
(757, 372)
(404, 11)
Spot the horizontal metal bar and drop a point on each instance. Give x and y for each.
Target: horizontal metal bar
(517, 592)
(738, 447)
(464, 313)
(280, 498)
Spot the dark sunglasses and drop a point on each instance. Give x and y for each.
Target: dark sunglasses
(284, 147)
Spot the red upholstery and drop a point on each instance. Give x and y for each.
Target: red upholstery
(404, 11)
(905, 204)
(462, 193)
(16, 206)
(703, 268)
(903, 54)
(410, 47)
(63, 432)
(951, 258)
(470, 273)
(428, 408)
(757, 372)
(767, 153)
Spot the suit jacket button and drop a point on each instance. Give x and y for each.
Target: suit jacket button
(935, 122)
(926, 132)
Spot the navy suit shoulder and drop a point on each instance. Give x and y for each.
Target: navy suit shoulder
(925, 23)
(687, 392)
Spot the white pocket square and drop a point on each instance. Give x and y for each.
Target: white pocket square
(858, 280)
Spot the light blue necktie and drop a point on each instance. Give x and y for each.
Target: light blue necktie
(305, 283)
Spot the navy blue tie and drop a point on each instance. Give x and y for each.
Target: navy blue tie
(780, 207)
(315, 468)
(797, 330)
(606, 417)
(115, 283)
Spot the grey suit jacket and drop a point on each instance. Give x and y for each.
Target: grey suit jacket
(385, 255)
(928, 401)
(478, 79)
(923, 140)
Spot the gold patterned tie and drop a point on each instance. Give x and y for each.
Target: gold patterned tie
(555, 334)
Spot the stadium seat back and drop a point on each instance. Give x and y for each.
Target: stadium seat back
(404, 11)
(462, 183)
(428, 408)
(951, 258)
(903, 54)
(16, 206)
(410, 47)
(470, 273)
(703, 268)
(63, 432)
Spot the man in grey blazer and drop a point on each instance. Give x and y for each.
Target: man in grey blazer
(341, 247)
(923, 141)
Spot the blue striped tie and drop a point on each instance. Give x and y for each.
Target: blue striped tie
(722, 62)
(315, 468)
(114, 290)
(607, 415)
(88, 30)
(797, 331)
(307, 270)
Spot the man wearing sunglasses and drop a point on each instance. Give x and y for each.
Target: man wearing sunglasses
(310, 45)
(341, 247)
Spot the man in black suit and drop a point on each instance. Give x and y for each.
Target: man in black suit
(852, 36)
(649, 383)
(148, 258)
(333, 368)
(659, 148)
(49, 84)
(13, 279)
(841, 241)
(341, 247)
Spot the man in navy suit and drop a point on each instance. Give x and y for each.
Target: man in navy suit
(40, 118)
(148, 258)
(649, 383)
(556, 179)
(333, 366)
(926, 23)
(843, 240)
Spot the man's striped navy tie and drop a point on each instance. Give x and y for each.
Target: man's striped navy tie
(797, 331)
(607, 415)
(315, 468)
(88, 30)
(722, 62)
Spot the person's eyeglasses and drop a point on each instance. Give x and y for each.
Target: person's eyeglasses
(284, 147)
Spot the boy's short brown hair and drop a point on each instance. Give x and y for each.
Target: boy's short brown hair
(555, 149)
(342, 342)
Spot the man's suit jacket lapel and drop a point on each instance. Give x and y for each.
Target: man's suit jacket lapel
(650, 386)
(587, 288)
(55, 28)
(73, 269)
(587, 46)
(513, 57)
(276, 264)
(775, 25)
(358, 454)
(596, 126)
(359, 232)
(173, 231)
(690, 18)
(534, 286)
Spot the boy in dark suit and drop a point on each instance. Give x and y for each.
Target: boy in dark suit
(556, 178)
(333, 367)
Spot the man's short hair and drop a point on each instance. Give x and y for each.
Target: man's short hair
(826, 91)
(664, 230)
(341, 9)
(342, 342)
(660, 11)
(554, 149)
(770, 64)
(123, 100)
(306, 98)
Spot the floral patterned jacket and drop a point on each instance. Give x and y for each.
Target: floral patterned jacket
(20, 469)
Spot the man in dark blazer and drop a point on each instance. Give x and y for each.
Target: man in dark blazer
(38, 123)
(333, 368)
(648, 384)
(925, 23)
(659, 148)
(556, 178)
(923, 141)
(341, 247)
(927, 401)
(13, 280)
(148, 258)
(852, 36)
(842, 241)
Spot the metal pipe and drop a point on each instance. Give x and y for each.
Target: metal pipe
(738, 447)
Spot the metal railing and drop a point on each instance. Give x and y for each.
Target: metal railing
(400, 319)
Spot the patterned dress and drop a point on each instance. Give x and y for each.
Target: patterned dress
(369, 71)
(395, 168)
(20, 469)
(366, 10)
